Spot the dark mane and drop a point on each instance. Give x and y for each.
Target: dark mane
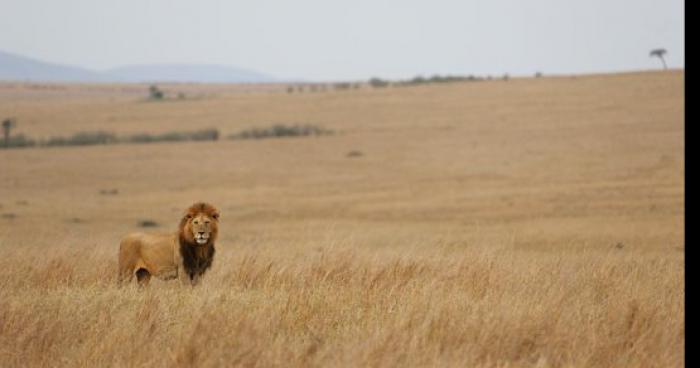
(196, 259)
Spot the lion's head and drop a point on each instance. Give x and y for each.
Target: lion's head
(200, 225)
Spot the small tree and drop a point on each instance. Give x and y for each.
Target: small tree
(378, 83)
(7, 125)
(155, 93)
(660, 54)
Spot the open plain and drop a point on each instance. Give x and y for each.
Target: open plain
(534, 222)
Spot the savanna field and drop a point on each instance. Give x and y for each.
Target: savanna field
(534, 222)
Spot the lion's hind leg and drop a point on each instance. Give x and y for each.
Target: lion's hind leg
(125, 277)
(128, 260)
(126, 272)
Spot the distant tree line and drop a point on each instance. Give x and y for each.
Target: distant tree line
(104, 138)
(376, 82)
(435, 79)
(322, 87)
(101, 138)
(281, 130)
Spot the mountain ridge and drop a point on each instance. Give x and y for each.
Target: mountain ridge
(14, 67)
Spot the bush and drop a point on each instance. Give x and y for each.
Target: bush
(95, 138)
(204, 135)
(18, 141)
(418, 80)
(342, 86)
(281, 130)
(82, 139)
(155, 93)
(378, 83)
(148, 223)
(199, 135)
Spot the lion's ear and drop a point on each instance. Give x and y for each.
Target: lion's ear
(215, 215)
(187, 216)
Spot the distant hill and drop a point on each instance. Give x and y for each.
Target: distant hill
(20, 68)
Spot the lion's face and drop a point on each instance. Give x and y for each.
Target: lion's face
(200, 225)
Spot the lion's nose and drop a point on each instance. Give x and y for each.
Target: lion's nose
(201, 233)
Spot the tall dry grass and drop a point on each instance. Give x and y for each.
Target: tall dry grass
(534, 223)
(344, 305)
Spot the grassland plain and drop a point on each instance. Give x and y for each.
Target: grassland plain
(527, 223)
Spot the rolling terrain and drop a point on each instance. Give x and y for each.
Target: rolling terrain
(528, 222)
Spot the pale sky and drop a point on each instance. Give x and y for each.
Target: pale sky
(359, 39)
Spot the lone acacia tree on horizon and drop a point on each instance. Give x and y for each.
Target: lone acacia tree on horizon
(660, 54)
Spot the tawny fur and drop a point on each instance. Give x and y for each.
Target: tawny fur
(179, 255)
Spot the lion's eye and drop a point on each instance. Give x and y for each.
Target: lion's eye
(196, 222)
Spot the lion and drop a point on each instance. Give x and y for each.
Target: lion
(185, 254)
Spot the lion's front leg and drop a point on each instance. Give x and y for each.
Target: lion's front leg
(184, 277)
(196, 278)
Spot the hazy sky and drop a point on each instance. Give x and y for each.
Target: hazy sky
(333, 40)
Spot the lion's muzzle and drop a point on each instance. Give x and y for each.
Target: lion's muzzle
(201, 238)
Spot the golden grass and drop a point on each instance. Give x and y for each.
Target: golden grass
(343, 306)
(528, 223)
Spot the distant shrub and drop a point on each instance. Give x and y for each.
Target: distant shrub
(205, 135)
(82, 139)
(341, 86)
(147, 223)
(199, 135)
(95, 138)
(140, 138)
(418, 80)
(18, 141)
(378, 83)
(281, 130)
(155, 93)
(13, 141)
(100, 137)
